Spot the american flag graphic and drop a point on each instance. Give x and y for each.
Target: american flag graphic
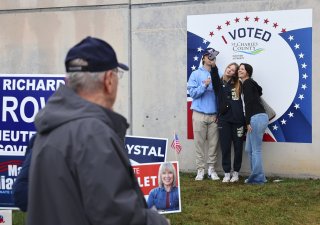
(176, 143)
(295, 125)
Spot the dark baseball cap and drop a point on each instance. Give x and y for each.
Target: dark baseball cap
(212, 53)
(98, 53)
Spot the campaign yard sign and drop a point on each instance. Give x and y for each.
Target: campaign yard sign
(146, 149)
(5, 217)
(22, 96)
(148, 178)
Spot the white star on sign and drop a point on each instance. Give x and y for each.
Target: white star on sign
(304, 86)
(290, 114)
(304, 76)
(304, 65)
(193, 67)
(301, 97)
(275, 127)
(301, 55)
(204, 41)
(200, 49)
(283, 122)
(297, 106)
(296, 46)
(291, 38)
(195, 58)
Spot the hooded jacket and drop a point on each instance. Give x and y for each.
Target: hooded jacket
(80, 173)
(230, 105)
(252, 92)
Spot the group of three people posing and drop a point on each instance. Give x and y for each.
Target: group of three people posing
(219, 116)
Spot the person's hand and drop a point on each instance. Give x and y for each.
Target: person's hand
(249, 128)
(213, 63)
(207, 81)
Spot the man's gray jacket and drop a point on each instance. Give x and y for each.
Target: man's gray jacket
(80, 173)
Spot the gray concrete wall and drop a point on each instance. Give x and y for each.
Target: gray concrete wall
(150, 36)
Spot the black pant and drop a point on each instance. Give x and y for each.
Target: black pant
(231, 133)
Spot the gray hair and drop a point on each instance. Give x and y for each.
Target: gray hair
(169, 166)
(83, 81)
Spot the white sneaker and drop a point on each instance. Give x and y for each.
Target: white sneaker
(200, 174)
(235, 177)
(226, 178)
(210, 169)
(212, 174)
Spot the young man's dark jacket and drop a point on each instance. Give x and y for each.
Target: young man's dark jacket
(80, 173)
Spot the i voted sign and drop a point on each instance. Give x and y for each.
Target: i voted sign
(146, 149)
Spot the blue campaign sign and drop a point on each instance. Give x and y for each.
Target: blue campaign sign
(146, 149)
(22, 96)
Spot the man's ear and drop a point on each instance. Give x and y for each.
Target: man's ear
(108, 81)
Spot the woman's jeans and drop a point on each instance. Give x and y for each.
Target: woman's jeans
(258, 123)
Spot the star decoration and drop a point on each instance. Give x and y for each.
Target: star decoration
(256, 19)
(304, 76)
(304, 86)
(195, 58)
(193, 67)
(301, 55)
(297, 106)
(237, 20)
(246, 18)
(266, 21)
(211, 34)
(275, 25)
(304, 65)
(219, 27)
(228, 23)
(290, 114)
(283, 30)
(301, 97)
(204, 41)
(200, 49)
(291, 38)
(297, 46)
(275, 127)
(283, 122)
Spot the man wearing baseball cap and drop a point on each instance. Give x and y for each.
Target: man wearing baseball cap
(201, 87)
(80, 173)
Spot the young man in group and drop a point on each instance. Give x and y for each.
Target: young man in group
(201, 86)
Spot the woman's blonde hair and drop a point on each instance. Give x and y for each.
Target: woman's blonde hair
(235, 79)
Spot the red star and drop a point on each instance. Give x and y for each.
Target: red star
(266, 21)
(237, 20)
(228, 23)
(283, 30)
(219, 27)
(211, 33)
(256, 19)
(275, 25)
(246, 18)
